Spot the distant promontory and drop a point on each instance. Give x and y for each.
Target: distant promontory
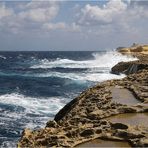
(135, 48)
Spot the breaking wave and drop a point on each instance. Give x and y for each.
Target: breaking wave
(107, 59)
(3, 57)
(19, 112)
(31, 105)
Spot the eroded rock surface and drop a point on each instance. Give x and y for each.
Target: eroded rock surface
(130, 67)
(85, 117)
(135, 48)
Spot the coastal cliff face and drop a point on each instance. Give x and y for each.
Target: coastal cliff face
(134, 49)
(132, 66)
(87, 117)
(129, 67)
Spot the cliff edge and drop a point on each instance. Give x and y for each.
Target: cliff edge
(134, 49)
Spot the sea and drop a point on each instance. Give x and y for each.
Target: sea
(34, 86)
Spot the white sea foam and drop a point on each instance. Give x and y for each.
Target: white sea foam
(92, 75)
(98, 68)
(40, 109)
(3, 57)
(100, 60)
(33, 105)
(82, 77)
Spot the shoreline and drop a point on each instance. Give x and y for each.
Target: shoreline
(85, 117)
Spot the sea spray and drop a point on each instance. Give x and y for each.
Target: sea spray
(107, 59)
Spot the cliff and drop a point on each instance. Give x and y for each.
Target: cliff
(132, 66)
(134, 49)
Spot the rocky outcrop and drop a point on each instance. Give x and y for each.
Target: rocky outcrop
(129, 67)
(85, 117)
(132, 66)
(135, 48)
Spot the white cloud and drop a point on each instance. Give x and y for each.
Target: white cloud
(90, 25)
(39, 14)
(51, 26)
(39, 11)
(29, 16)
(113, 12)
(5, 12)
(73, 27)
(92, 15)
(115, 17)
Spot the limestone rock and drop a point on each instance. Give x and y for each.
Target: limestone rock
(135, 48)
(51, 124)
(119, 126)
(129, 67)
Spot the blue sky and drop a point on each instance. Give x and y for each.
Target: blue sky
(72, 25)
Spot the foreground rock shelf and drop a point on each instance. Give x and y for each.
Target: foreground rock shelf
(86, 117)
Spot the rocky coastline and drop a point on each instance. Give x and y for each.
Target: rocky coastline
(86, 117)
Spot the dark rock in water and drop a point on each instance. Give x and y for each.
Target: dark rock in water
(129, 67)
(131, 135)
(51, 124)
(127, 110)
(120, 67)
(87, 132)
(119, 126)
(65, 110)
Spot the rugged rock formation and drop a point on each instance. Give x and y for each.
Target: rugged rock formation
(132, 66)
(135, 48)
(86, 117)
(129, 67)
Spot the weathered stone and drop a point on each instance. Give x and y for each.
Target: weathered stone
(129, 134)
(51, 124)
(129, 67)
(87, 133)
(119, 126)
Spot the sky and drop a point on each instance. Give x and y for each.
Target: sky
(72, 25)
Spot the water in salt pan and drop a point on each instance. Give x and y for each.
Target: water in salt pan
(123, 96)
(131, 119)
(104, 143)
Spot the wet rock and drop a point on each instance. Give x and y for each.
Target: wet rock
(52, 124)
(129, 67)
(119, 126)
(129, 134)
(87, 133)
(127, 109)
(65, 110)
